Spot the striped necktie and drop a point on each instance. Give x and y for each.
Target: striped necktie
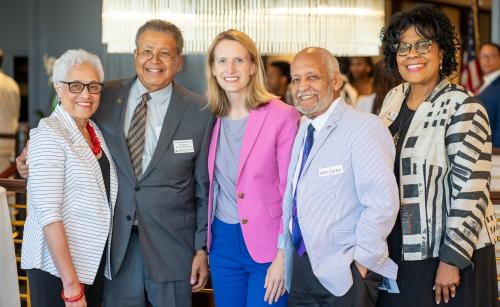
(297, 240)
(137, 134)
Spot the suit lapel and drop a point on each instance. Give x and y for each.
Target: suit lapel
(113, 182)
(296, 149)
(174, 115)
(255, 121)
(489, 90)
(213, 148)
(330, 125)
(81, 146)
(121, 102)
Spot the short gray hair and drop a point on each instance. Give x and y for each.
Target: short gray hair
(163, 26)
(74, 57)
(332, 63)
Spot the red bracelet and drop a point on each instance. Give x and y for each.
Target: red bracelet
(74, 298)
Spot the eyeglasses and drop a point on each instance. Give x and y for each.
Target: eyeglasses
(77, 87)
(422, 47)
(163, 55)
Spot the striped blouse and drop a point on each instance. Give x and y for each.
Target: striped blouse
(66, 184)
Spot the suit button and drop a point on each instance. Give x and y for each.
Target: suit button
(244, 221)
(137, 188)
(241, 195)
(129, 218)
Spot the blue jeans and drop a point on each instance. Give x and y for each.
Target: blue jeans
(238, 280)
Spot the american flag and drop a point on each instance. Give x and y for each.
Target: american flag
(471, 73)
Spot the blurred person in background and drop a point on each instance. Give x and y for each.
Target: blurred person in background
(10, 105)
(278, 80)
(489, 92)
(361, 78)
(383, 82)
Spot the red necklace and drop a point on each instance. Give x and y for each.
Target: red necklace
(96, 145)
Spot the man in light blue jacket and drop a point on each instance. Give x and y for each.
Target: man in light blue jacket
(341, 200)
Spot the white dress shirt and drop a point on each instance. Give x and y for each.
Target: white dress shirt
(318, 123)
(157, 109)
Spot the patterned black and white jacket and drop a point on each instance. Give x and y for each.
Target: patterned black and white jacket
(445, 167)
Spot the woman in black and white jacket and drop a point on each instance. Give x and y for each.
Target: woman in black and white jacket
(443, 240)
(72, 189)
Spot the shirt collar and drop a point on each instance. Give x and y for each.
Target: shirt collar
(491, 76)
(161, 95)
(320, 121)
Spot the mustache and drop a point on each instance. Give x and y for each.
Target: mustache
(302, 94)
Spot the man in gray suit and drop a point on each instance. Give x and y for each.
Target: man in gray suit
(160, 220)
(341, 199)
(158, 134)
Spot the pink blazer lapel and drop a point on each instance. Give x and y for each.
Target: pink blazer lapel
(213, 149)
(255, 121)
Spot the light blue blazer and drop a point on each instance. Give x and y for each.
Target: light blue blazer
(347, 199)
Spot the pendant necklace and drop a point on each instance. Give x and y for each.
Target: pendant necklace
(402, 122)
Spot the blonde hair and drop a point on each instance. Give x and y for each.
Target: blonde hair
(257, 94)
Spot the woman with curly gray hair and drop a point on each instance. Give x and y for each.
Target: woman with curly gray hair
(72, 189)
(444, 237)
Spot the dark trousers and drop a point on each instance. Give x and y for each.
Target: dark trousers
(45, 288)
(478, 286)
(306, 290)
(133, 287)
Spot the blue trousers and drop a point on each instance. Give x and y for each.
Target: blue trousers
(238, 280)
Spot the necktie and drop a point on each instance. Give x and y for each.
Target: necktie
(137, 134)
(297, 239)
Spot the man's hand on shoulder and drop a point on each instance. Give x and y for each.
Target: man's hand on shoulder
(22, 166)
(199, 270)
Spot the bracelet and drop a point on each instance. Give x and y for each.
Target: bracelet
(74, 298)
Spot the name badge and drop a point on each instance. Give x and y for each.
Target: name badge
(330, 171)
(183, 146)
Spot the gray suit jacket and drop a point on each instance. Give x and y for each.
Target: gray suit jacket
(171, 198)
(347, 198)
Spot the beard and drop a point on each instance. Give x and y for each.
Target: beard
(317, 108)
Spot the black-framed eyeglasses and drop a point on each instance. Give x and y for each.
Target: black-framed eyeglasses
(76, 87)
(422, 47)
(163, 55)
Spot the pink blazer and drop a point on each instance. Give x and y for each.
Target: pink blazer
(262, 173)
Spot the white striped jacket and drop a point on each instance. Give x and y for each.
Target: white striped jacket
(66, 184)
(446, 210)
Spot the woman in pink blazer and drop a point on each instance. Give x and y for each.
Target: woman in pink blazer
(248, 164)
